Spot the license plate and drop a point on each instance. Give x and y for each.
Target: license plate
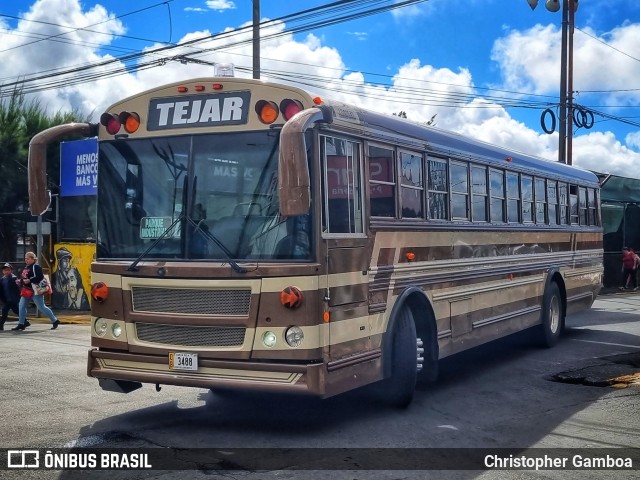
(183, 361)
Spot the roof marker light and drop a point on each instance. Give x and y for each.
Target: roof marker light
(199, 88)
(267, 111)
(182, 89)
(111, 122)
(130, 120)
(290, 107)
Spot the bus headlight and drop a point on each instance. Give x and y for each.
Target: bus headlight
(269, 339)
(294, 336)
(116, 329)
(100, 327)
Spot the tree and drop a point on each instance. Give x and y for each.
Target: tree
(20, 120)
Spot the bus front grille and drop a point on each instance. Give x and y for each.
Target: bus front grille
(191, 301)
(190, 336)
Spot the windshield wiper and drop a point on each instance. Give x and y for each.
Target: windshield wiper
(134, 266)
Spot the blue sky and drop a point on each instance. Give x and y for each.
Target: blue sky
(484, 68)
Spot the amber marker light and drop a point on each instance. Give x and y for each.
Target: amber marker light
(326, 317)
(410, 256)
(267, 111)
(317, 101)
(99, 292)
(130, 120)
(291, 297)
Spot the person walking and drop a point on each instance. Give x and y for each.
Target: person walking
(32, 274)
(9, 293)
(629, 266)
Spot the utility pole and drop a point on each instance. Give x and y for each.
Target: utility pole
(256, 39)
(565, 144)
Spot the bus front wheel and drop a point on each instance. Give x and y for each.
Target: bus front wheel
(552, 317)
(398, 389)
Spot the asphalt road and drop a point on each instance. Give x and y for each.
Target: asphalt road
(506, 395)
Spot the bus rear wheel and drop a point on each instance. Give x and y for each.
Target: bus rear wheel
(552, 314)
(399, 388)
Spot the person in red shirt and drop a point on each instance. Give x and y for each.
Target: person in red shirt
(629, 268)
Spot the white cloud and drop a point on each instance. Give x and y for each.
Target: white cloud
(633, 140)
(220, 5)
(525, 59)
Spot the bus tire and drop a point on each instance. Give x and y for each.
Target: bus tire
(552, 317)
(399, 388)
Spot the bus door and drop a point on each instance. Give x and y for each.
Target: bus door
(347, 247)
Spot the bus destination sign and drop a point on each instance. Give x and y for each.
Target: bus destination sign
(199, 111)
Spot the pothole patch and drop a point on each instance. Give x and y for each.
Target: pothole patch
(617, 371)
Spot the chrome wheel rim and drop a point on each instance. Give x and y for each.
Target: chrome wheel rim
(554, 314)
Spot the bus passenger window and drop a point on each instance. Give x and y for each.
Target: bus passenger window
(412, 186)
(382, 182)
(479, 194)
(527, 198)
(582, 205)
(563, 202)
(573, 204)
(459, 190)
(541, 201)
(552, 198)
(591, 206)
(513, 198)
(496, 187)
(437, 186)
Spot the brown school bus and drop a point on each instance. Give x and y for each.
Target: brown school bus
(251, 236)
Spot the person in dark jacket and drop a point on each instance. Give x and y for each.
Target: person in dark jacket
(32, 274)
(9, 293)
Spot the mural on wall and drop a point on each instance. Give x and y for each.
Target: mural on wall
(73, 263)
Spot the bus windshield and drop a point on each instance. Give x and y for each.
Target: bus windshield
(217, 193)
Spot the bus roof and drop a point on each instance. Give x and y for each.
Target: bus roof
(450, 143)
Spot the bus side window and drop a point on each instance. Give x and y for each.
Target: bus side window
(342, 182)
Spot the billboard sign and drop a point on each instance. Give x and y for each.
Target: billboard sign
(79, 168)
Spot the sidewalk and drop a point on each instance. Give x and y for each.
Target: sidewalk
(64, 316)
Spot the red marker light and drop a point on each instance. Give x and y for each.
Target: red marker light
(111, 123)
(290, 107)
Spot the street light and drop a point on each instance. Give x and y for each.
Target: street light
(569, 8)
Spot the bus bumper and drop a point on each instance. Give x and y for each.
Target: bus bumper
(124, 372)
